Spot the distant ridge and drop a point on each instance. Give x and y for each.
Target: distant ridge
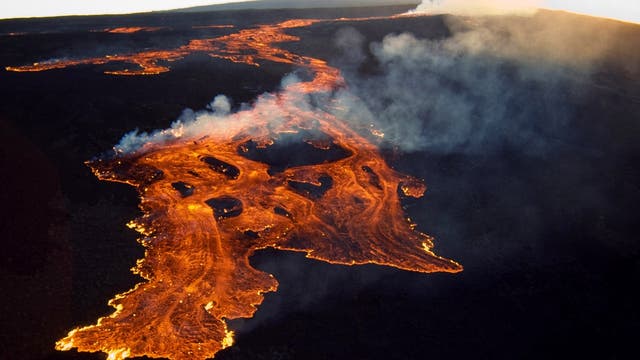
(293, 4)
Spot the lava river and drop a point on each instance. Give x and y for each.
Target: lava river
(210, 201)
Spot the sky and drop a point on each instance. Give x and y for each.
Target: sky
(626, 10)
(36, 8)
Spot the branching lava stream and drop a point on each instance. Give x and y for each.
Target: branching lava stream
(209, 202)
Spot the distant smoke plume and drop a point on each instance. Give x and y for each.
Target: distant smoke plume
(624, 10)
(478, 7)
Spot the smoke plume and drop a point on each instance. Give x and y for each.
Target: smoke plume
(217, 118)
(623, 10)
(478, 7)
(495, 82)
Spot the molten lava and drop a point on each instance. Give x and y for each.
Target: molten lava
(212, 27)
(210, 202)
(247, 46)
(132, 29)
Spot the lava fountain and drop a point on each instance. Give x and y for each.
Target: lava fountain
(210, 201)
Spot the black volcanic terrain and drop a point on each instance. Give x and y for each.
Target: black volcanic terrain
(526, 131)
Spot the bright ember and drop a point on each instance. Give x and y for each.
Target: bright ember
(210, 202)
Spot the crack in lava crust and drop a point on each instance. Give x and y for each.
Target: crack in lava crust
(208, 206)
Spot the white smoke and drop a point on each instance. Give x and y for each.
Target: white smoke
(218, 121)
(495, 82)
(624, 10)
(221, 105)
(479, 7)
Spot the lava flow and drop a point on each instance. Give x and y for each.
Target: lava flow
(247, 46)
(132, 29)
(211, 200)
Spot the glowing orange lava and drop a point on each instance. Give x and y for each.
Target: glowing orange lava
(246, 46)
(212, 26)
(132, 29)
(210, 202)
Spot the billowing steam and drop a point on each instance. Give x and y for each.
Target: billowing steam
(217, 118)
(478, 7)
(495, 82)
(615, 9)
